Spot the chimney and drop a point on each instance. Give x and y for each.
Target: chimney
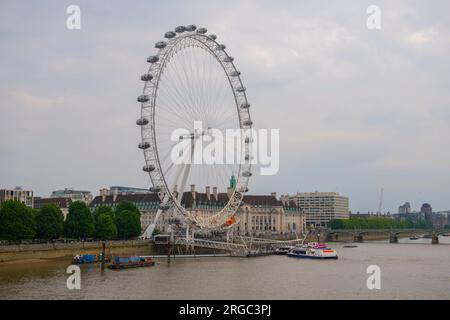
(208, 192)
(215, 193)
(193, 191)
(115, 194)
(103, 193)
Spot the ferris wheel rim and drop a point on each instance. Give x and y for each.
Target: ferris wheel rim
(157, 66)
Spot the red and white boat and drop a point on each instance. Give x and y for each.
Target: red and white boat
(313, 251)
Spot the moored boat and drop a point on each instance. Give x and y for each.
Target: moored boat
(88, 258)
(131, 262)
(414, 238)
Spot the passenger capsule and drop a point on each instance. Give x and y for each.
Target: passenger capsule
(245, 106)
(146, 77)
(155, 189)
(247, 157)
(142, 121)
(152, 59)
(240, 89)
(248, 123)
(202, 30)
(143, 98)
(248, 140)
(235, 73)
(191, 27)
(221, 47)
(170, 35)
(148, 168)
(144, 145)
(228, 59)
(212, 36)
(247, 174)
(180, 29)
(160, 45)
(243, 190)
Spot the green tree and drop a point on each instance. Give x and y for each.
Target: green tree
(105, 228)
(79, 223)
(17, 221)
(128, 224)
(337, 224)
(103, 210)
(126, 205)
(49, 222)
(373, 223)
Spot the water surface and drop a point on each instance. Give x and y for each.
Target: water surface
(409, 270)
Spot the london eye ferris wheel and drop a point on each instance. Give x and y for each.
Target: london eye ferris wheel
(192, 86)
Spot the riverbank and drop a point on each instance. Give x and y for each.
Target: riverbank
(35, 253)
(39, 253)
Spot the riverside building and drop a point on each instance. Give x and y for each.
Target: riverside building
(320, 207)
(19, 194)
(259, 214)
(74, 195)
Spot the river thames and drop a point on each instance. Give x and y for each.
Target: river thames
(409, 270)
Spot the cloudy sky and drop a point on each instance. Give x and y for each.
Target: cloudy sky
(358, 109)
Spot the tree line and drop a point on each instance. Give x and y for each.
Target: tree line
(19, 222)
(375, 223)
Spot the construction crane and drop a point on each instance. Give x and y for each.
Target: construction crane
(380, 205)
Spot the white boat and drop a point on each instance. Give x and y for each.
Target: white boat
(318, 251)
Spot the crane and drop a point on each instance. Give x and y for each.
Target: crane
(380, 205)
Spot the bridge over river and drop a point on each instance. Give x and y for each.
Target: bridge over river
(393, 234)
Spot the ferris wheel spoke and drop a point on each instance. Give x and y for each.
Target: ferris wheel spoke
(172, 116)
(185, 80)
(178, 85)
(175, 113)
(178, 97)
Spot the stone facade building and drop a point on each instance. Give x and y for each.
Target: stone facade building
(259, 214)
(19, 194)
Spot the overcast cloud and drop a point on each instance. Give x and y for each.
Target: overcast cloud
(357, 109)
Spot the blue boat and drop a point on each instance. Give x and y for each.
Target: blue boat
(131, 262)
(88, 258)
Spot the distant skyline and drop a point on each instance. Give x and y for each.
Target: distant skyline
(358, 110)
